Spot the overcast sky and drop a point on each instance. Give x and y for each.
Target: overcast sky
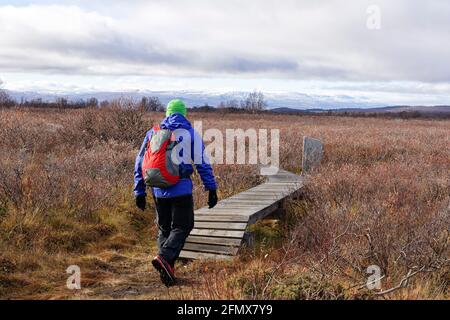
(270, 45)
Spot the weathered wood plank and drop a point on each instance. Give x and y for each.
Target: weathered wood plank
(203, 255)
(249, 204)
(273, 191)
(244, 196)
(242, 212)
(214, 210)
(220, 218)
(267, 189)
(246, 201)
(215, 240)
(237, 205)
(218, 233)
(220, 225)
(276, 190)
(211, 248)
(217, 213)
(208, 211)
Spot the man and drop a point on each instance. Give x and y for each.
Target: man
(174, 204)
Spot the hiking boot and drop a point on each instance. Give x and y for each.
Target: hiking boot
(165, 270)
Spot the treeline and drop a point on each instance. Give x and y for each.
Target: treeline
(254, 102)
(145, 103)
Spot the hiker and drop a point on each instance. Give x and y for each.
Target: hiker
(170, 183)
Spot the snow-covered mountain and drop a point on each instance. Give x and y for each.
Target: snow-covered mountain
(293, 100)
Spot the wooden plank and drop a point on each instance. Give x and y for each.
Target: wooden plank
(273, 186)
(210, 248)
(255, 205)
(215, 210)
(284, 180)
(217, 233)
(277, 190)
(211, 240)
(222, 211)
(260, 191)
(268, 196)
(246, 209)
(248, 201)
(261, 194)
(203, 255)
(220, 225)
(264, 187)
(243, 205)
(255, 195)
(248, 198)
(272, 198)
(219, 218)
(238, 213)
(237, 205)
(242, 212)
(279, 183)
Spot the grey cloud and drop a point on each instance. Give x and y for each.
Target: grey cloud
(244, 64)
(294, 40)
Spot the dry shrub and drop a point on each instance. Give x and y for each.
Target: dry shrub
(58, 170)
(123, 121)
(381, 197)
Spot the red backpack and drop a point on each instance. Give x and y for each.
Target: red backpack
(157, 167)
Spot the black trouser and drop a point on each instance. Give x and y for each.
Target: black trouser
(175, 217)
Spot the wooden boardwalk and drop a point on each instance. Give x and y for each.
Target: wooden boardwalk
(219, 232)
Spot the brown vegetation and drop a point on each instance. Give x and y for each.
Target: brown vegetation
(381, 197)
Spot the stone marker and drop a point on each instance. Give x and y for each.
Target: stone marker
(312, 154)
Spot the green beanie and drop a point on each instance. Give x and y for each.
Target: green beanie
(176, 106)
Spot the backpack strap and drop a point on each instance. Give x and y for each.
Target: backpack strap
(173, 138)
(155, 129)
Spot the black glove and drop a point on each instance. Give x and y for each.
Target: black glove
(212, 198)
(141, 202)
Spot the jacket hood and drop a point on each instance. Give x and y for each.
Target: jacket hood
(175, 121)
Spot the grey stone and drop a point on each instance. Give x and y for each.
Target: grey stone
(312, 154)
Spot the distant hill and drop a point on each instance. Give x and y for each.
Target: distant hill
(289, 102)
(293, 100)
(389, 109)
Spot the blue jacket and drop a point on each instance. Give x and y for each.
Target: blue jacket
(184, 186)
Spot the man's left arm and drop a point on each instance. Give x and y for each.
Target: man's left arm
(203, 167)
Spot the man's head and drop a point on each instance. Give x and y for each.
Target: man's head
(176, 106)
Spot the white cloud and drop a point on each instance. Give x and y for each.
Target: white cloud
(292, 40)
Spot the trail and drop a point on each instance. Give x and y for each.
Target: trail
(124, 275)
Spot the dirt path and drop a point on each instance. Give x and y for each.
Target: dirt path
(114, 275)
